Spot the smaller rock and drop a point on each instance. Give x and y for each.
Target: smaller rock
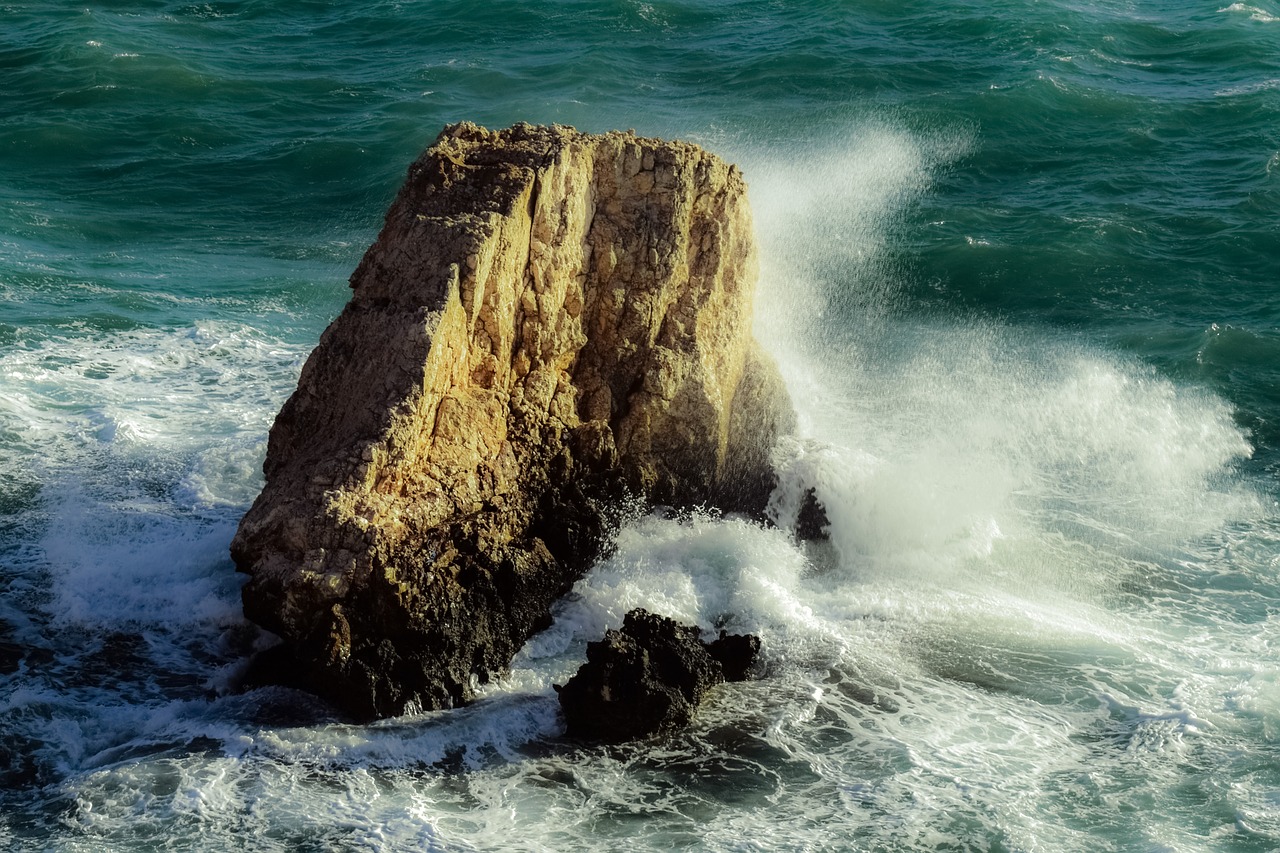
(812, 523)
(736, 654)
(649, 677)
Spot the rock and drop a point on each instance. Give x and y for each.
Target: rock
(549, 322)
(812, 523)
(649, 677)
(736, 654)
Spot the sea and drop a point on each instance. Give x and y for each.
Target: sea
(1020, 266)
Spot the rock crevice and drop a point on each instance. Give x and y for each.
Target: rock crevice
(548, 321)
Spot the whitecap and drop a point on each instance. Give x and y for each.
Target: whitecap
(1253, 12)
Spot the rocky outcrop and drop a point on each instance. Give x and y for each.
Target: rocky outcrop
(649, 677)
(549, 322)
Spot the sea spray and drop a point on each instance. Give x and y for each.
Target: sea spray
(828, 209)
(933, 444)
(1097, 265)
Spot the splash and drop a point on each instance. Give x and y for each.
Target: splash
(965, 450)
(825, 217)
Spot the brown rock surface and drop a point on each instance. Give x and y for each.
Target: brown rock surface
(548, 321)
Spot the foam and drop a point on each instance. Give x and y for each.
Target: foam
(1253, 12)
(146, 445)
(986, 456)
(179, 387)
(124, 564)
(937, 446)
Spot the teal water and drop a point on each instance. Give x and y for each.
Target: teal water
(1019, 265)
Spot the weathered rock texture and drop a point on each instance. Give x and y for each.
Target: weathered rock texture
(549, 320)
(649, 677)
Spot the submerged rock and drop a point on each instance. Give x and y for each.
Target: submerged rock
(649, 677)
(549, 321)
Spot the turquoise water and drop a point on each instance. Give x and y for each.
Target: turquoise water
(1019, 266)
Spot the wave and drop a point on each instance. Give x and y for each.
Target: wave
(1254, 12)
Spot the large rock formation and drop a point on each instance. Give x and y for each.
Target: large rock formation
(548, 322)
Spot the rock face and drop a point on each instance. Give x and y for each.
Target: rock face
(649, 677)
(549, 321)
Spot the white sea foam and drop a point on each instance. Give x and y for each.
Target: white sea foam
(145, 445)
(177, 387)
(967, 446)
(1253, 12)
(122, 563)
(976, 443)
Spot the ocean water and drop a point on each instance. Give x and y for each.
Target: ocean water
(1019, 266)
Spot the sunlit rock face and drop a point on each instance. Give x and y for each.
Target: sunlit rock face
(550, 324)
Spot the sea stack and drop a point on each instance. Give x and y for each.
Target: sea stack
(550, 323)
